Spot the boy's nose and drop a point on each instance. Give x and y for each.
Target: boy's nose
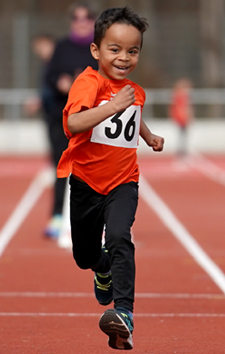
(124, 56)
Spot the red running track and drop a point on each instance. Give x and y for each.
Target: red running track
(47, 304)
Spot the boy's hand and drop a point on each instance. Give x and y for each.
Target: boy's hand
(156, 142)
(124, 98)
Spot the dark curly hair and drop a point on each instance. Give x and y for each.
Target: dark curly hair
(122, 15)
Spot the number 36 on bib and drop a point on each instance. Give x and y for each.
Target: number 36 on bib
(121, 129)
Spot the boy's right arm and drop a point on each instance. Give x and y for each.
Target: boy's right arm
(89, 118)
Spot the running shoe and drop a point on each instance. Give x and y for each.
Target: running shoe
(54, 227)
(118, 325)
(103, 288)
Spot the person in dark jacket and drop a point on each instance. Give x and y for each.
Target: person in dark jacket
(71, 56)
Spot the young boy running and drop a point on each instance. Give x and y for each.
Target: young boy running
(102, 120)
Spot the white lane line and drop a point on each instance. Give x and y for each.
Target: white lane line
(207, 168)
(34, 191)
(45, 294)
(88, 295)
(75, 314)
(180, 232)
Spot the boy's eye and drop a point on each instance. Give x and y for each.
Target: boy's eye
(114, 50)
(133, 51)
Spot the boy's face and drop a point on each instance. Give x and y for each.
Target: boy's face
(119, 51)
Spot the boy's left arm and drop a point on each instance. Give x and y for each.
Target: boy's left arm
(155, 141)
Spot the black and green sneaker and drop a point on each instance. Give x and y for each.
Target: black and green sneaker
(118, 325)
(103, 288)
(103, 285)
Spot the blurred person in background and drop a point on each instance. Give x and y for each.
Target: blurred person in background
(181, 111)
(43, 46)
(71, 56)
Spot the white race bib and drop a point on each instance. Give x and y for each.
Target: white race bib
(121, 129)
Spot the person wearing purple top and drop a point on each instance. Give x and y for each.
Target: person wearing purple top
(71, 56)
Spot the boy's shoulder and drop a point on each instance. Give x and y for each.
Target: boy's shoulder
(86, 78)
(88, 75)
(89, 71)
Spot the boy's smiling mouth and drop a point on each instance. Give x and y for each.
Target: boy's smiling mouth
(122, 67)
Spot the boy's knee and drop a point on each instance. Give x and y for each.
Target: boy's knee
(83, 263)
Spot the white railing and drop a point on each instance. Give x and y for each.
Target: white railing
(12, 100)
(198, 96)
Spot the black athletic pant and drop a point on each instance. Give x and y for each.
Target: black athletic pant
(89, 211)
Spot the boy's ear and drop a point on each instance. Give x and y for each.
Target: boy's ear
(94, 51)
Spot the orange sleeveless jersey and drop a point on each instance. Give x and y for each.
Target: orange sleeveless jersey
(105, 156)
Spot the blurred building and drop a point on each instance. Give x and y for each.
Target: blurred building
(185, 38)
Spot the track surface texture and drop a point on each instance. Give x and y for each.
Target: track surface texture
(47, 304)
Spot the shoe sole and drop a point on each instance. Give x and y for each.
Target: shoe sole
(114, 326)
